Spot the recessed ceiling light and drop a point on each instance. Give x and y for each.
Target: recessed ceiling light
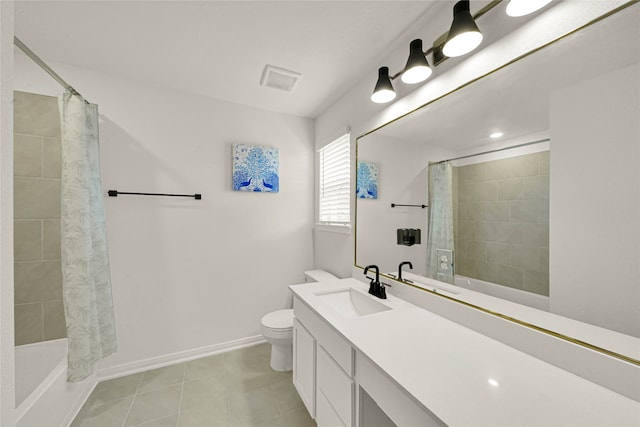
(493, 382)
(496, 135)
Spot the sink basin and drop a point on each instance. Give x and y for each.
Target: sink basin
(351, 303)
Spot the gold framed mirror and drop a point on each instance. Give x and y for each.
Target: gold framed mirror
(571, 110)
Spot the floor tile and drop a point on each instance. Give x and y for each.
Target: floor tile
(236, 389)
(238, 382)
(203, 416)
(205, 367)
(162, 377)
(171, 421)
(116, 388)
(277, 422)
(110, 414)
(253, 406)
(286, 396)
(249, 359)
(154, 404)
(209, 391)
(298, 418)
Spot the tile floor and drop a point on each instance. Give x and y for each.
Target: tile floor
(231, 389)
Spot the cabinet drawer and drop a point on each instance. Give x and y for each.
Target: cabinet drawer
(335, 385)
(326, 336)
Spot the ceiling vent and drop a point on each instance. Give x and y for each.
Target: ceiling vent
(279, 78)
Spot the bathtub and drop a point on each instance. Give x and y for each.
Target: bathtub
(43, 395)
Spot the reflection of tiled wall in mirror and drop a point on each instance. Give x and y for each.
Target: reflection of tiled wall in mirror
(39, 314)
(502, 222)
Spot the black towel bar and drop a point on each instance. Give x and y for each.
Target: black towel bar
(115, 193)
(393, 205)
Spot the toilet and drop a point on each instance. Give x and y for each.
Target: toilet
(277, 328)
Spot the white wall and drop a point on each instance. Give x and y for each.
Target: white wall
(595, 134)
(7, 390)
(189, 274)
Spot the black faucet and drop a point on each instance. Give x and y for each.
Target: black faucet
(375, 288)
(400, 268)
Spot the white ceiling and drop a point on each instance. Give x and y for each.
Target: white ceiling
(219, 48)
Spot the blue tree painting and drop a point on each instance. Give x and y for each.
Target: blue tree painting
(367, 181)
(256, 168)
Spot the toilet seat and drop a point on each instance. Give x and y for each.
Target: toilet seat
(280, 320)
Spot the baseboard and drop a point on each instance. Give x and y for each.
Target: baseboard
(82, 397)
(174, 358)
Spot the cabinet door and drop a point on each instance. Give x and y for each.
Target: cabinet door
(334, 385)
(304, 366)
(326, 416)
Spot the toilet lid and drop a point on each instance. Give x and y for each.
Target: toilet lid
(281, 319)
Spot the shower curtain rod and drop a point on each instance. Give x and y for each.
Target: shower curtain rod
(490, 151)
(35, 58)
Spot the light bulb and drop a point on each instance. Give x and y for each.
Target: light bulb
(462, 44)
(517, 8)
(416, 74)
(382, 96)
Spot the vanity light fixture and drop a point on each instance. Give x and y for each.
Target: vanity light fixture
(464, 35)
(417, 69)
(496, 135)
(517, 8)
(384, 89)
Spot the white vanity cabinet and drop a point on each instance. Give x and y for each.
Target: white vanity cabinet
(304, 366)
(323, 369)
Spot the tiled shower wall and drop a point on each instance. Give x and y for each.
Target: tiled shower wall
(502, 222)
(39, 314)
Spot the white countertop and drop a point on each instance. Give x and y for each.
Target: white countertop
(626, 345)
(449, 369)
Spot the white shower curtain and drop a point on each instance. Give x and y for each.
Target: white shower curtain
(88, 303)
(440, 235)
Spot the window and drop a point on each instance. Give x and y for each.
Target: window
(335, 182)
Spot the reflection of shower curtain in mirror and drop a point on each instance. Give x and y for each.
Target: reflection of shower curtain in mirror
(86, 283)
(440, 234)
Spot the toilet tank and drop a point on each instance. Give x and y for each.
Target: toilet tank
(318, 276)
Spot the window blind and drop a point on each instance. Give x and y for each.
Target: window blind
(335, 177)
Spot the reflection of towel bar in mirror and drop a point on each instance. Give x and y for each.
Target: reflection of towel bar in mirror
(393, 205)
(115, 193)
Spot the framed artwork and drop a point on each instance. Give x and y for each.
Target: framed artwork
(256, 168)
(367, 181)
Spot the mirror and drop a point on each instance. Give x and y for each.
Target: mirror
(553, 224)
